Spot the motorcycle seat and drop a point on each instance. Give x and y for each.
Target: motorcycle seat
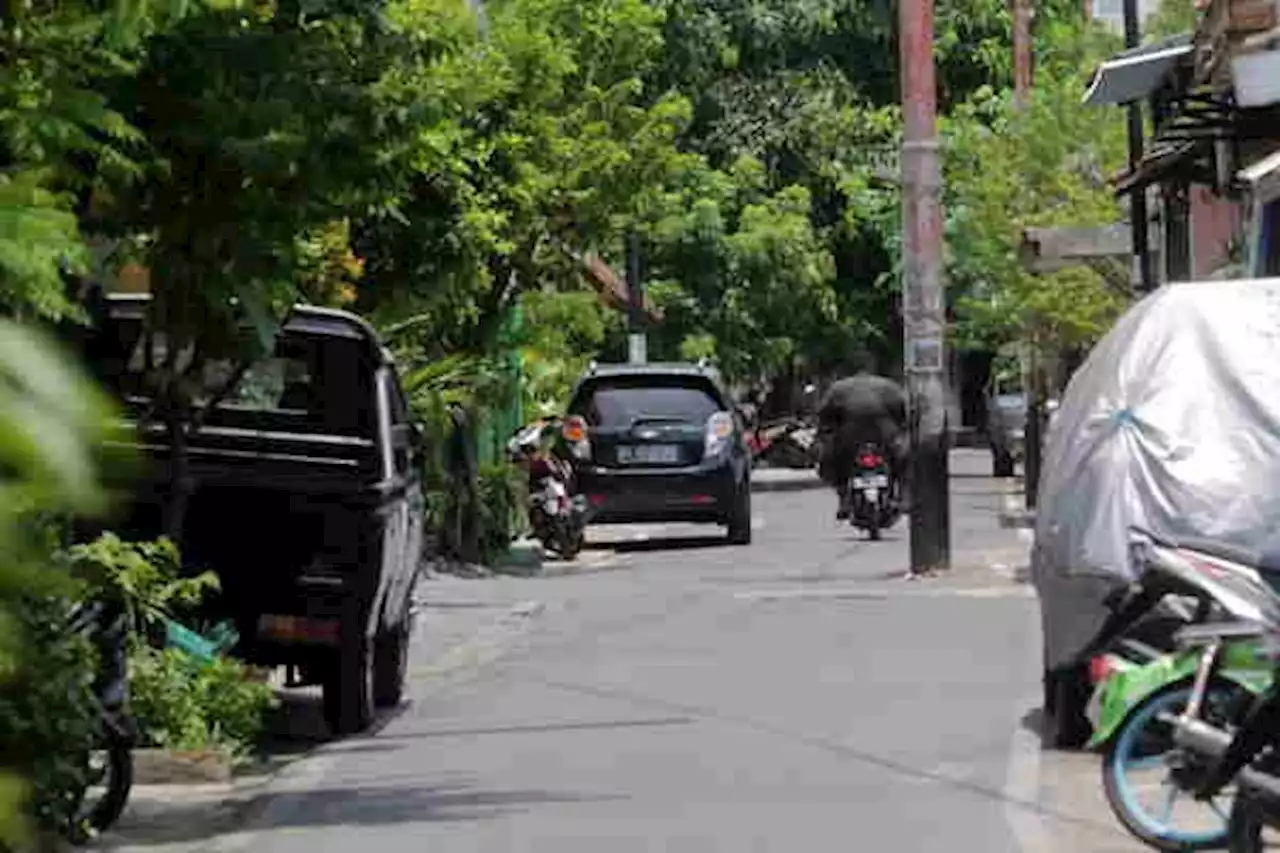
(1267, 560)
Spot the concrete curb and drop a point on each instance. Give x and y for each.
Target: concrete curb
(585, 565)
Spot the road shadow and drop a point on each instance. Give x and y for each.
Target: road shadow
(667, 543)
(371, 804)
(1035, 722)
(377, 805)
(296, 728)
(541, 728)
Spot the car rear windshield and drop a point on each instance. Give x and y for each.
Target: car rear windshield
(623, 402)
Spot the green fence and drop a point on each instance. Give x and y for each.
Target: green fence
(508, 416)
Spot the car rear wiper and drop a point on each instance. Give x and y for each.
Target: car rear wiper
(659, 419)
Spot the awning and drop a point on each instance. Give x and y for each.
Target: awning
(1153, 167)
(1134, 74)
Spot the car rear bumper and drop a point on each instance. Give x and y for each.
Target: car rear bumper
(620, 496)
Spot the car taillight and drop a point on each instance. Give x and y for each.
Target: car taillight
(574, 431)
(719, 432)
(870, 460)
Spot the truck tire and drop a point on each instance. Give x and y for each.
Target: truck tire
(348, 692)
(391, 665)
(1002, 463)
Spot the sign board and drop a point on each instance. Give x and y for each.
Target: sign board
(925, 354)
(638, 349)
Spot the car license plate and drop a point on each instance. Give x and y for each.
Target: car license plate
(649, 454)
(876, 481)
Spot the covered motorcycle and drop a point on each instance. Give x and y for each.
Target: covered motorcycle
(1171, 425)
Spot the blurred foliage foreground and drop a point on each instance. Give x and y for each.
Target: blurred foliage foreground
(52, 422)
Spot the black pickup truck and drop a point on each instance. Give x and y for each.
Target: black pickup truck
(305, 497)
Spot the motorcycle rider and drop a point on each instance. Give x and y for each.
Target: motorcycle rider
(858, 409)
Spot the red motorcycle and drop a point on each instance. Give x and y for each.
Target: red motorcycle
(556, 512)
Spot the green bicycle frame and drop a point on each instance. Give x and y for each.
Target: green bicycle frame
(1126, 688)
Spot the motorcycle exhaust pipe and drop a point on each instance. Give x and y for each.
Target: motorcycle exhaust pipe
(1202, 740)
(1209, 743)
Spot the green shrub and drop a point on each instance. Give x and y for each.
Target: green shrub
(187, 704)
(48, 722)
(147, 577)
(500, 509)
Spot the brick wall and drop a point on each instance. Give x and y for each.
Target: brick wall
(1215, 223)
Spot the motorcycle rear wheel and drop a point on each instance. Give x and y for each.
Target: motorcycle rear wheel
(569, 541)
(116, 778)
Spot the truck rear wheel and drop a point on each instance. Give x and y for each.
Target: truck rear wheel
(348, 692)
(391, 665)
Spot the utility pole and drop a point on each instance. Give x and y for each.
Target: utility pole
(1143, 271)
(1175, 214)
(637, 341)
(1022, 67)
(923, 308)
(1033, 370)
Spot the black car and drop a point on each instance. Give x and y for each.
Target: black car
(660, 443)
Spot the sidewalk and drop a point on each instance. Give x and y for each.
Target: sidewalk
(456, 621)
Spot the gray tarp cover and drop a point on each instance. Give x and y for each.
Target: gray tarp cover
(1172, 424)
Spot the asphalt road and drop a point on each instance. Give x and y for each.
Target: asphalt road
(796, 695)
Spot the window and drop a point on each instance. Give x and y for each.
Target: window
(277, 383)
(621, 403)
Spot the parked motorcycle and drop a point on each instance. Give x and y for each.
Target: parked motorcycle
(556, 512)
(110, 763)
(1174, 714)
(104, 622)
(1130, 711)
(873, 499)
(786, 443)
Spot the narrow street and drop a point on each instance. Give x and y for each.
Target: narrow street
(795, 695)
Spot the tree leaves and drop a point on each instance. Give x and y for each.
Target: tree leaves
(1054, 158)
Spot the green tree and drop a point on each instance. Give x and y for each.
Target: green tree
(1171, 18)
(536, 140)
(264, 126)
(739, 271)
(1055, 158)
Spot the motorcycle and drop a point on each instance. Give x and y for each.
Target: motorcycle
(1174, 713)
(1129, 713)
(872, 496)
(109, 779)
(556, 514)
(786, 443)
